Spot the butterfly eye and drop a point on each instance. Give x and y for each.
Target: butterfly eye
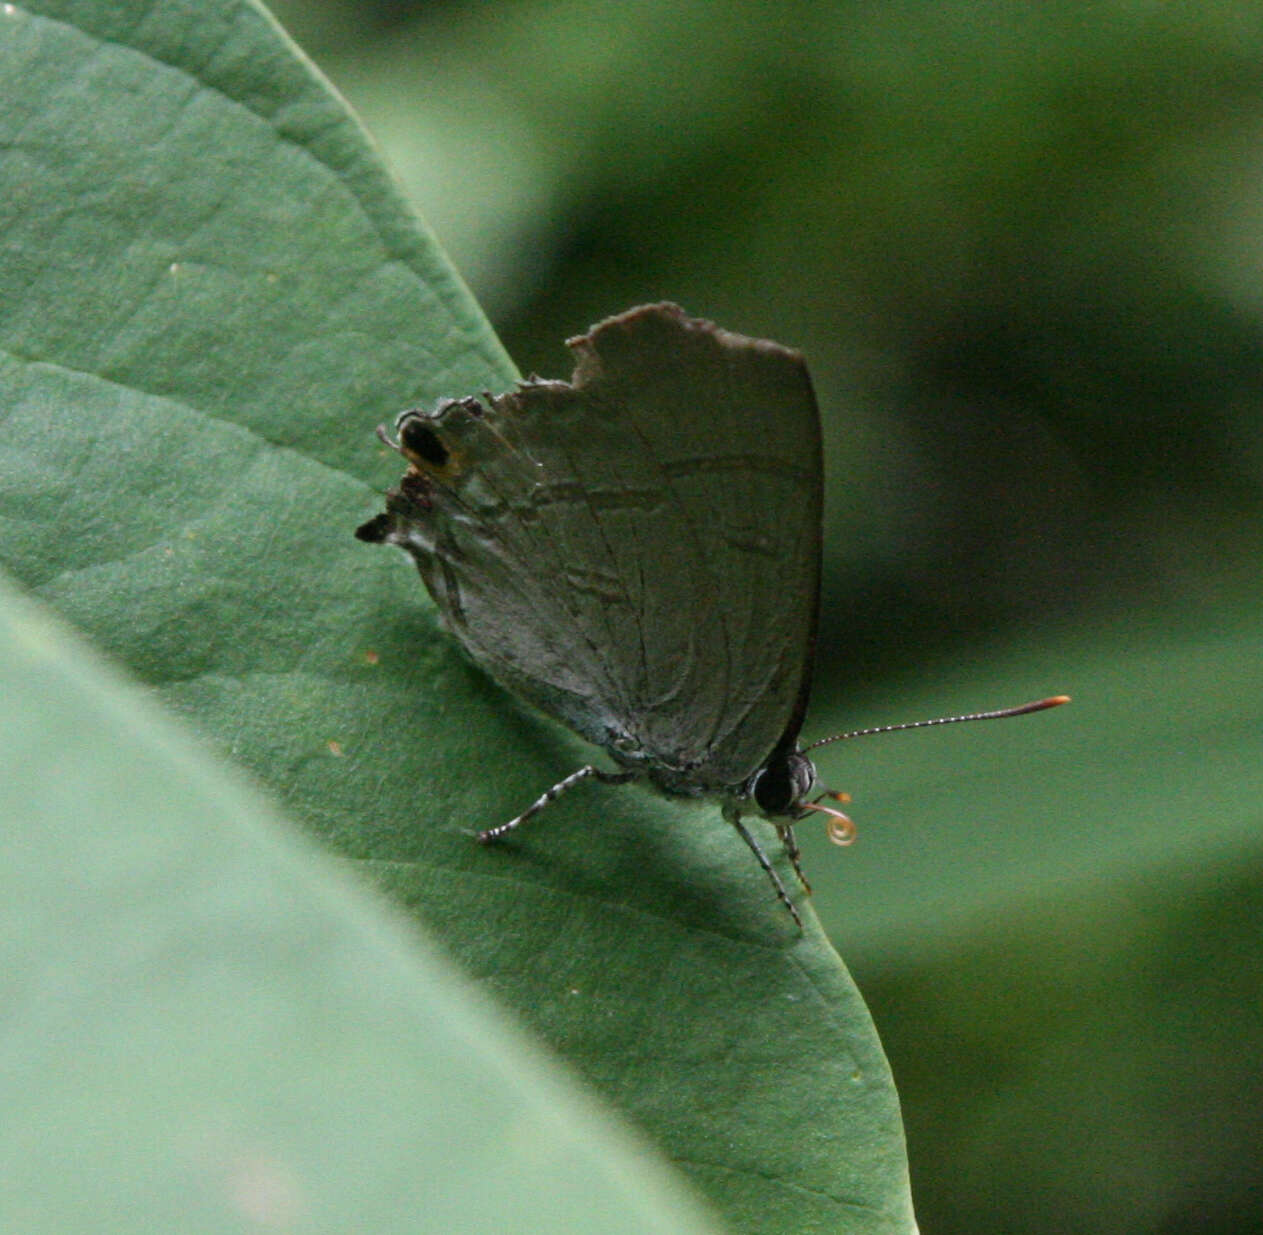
(782, 782)
(420, 444)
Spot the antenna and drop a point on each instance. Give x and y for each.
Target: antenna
(1039, 705)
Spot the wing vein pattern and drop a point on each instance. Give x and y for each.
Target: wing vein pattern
(637, 550)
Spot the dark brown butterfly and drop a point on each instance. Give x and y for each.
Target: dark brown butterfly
(637, 553)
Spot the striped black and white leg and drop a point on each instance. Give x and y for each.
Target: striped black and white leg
(786, 832)
(551, 795)
(735, 819)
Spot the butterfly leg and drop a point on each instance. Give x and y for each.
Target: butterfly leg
(551, 795)
(735, 819)
(786, 832)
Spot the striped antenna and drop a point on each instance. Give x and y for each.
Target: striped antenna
(1038, 706)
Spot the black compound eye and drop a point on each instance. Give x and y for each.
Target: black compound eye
(784, 782)
(774, 788)
(419, 440)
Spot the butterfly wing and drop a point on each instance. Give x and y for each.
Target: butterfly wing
(637, 551)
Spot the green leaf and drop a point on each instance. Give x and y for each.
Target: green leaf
(211, 294)
(220, 1032)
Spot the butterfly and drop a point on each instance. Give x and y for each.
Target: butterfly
(636, 552)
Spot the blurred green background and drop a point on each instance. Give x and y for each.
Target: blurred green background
(1021, 246)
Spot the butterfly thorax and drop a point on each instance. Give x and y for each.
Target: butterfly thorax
(776, 791)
